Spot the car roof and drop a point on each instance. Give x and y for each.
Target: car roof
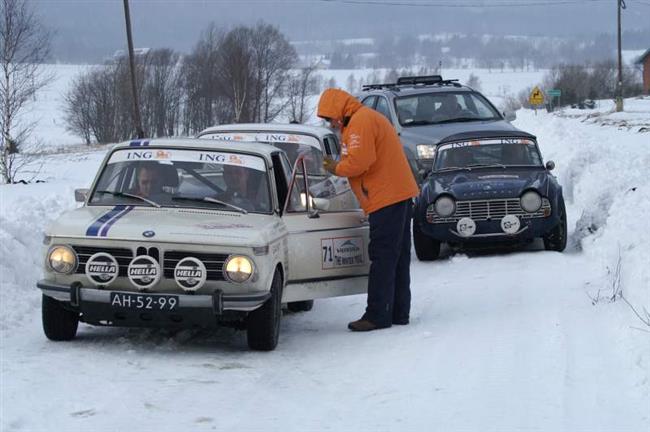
(261, 149)
(317, 131)
(419, 89)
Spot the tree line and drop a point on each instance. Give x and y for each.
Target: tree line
(246, 74)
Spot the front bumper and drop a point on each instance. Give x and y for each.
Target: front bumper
(193, 310)
(490, 231)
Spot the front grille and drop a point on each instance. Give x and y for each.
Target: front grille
(485, 210)
(213, 263)
(123, 257)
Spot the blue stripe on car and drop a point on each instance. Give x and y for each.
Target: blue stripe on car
(103, 232)
(94, 228)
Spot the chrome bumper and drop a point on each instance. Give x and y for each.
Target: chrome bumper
(217, 301)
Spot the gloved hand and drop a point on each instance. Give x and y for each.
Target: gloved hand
(330, 165)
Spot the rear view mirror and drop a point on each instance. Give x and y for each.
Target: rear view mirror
(80, 195)
(550, 165)
(510, 115)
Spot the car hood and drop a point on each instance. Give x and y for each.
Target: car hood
(432, 134)
(483, 183)
(191, 226)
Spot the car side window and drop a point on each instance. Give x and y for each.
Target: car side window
(369, 101)
(281, 177)
(382, 107)
(332, 146)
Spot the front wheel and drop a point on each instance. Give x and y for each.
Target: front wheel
(59, 324)
(426, 248)
(263, 324)
(555, 239)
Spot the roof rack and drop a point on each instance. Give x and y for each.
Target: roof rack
(413, 81)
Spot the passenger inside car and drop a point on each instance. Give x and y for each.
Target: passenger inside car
(243, 188)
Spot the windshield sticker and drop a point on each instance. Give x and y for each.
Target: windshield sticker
(265, 137)
(472, 143)
(342, 252)
(174, 155)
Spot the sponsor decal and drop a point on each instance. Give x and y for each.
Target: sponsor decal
(176, 155)
(102, 268)
(499, 141)
(342, 252)
(190, 274)
(162, 154)
(144, 272)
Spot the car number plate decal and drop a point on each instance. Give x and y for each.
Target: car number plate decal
(342, 252)
(152, 302)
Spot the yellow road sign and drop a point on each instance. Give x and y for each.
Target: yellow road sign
(536, 97)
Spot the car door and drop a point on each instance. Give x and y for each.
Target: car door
(328, 250)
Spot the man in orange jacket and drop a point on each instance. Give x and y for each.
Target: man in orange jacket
(373, 159)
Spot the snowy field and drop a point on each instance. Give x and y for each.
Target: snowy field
(521, 341)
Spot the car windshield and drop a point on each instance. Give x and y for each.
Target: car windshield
(164, 177)
(443, 107)
(487, 153)
(293, 144)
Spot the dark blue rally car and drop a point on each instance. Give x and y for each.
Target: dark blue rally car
(488, 187)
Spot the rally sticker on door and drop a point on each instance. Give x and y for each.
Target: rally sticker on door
(342, 252)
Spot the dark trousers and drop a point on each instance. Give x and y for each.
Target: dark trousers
(389, 283)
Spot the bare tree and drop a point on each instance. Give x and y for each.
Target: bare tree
(234, 71)
(24, 46)
(301, 85)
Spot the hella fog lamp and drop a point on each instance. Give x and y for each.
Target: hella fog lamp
(510, 224)
(445, 206)
(531, 201)
(239, 268)
(426, 151)
(62, 259)
(466, 227)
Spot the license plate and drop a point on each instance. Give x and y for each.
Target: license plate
(144, 301)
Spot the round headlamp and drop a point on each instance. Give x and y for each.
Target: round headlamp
(62, 259)
(239, 268)
(445, 206)
(531, 201)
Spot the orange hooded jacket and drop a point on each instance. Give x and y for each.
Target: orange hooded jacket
(372, 156)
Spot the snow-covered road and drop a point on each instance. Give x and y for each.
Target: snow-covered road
(497, 342)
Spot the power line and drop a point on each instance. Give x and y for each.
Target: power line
(458, 4)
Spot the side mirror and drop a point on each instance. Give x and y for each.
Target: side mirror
(510, 115)
(550, 165)
(80, 195)
(320, 204)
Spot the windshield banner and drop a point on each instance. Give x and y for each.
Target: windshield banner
(482, 142)
(264, 137)
(139, 154)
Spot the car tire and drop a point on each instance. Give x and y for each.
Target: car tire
(263, 324)
(555, 239)
(300, 306)
(59, 324)
(426, 248)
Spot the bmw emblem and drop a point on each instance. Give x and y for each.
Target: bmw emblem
(148, 234)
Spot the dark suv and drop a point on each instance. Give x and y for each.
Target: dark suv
(427, 109)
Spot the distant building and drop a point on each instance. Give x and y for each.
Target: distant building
(644, 60)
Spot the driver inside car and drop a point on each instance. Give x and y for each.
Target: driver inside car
(238, 187)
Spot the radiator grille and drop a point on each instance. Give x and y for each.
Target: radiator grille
(483, 210)
(123, 257)
(213, 263)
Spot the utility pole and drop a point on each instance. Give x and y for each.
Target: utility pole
(134, 88)
(619, 85)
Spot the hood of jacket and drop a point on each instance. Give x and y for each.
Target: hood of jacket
(337, 104)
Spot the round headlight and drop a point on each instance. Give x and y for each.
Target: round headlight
(62, 259)
(531, 201)
(239, 268)
(445, 206)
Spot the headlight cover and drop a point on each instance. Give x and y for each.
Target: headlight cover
(531, 201)
(62, 259)
(238, 268)
(426, 151)
(445, 206)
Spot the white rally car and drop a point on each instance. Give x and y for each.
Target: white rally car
(197, 233)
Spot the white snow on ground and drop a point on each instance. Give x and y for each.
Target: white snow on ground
(497, 342)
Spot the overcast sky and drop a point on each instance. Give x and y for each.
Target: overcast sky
(95, 28)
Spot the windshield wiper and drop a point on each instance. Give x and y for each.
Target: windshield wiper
(128, 195)
(210, 200)
(452, 168)
(418, 123)
(486, 165)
